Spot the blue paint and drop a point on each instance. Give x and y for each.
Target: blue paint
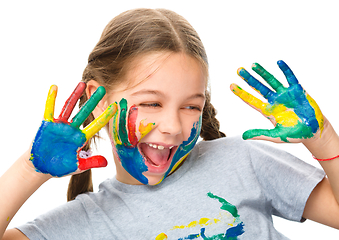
(187, 146)
(291, 79)
(234, 232)
(131, 158)
(55, 147)
(133, 162)
(253, 82)
(294, 98)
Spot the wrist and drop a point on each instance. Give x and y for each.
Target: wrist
(27, 170)
(325, 145)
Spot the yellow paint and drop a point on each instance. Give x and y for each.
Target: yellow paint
(248, 98)
(7, 219)
(160, 180)
(281, 114)
(178, 227)
(161, 236)
(203, 221)
(178, 163)
(318, 114)
(115, 126)
(100, 121)
(216, 220)
(50, 103)
(192, 224)
(145, 129)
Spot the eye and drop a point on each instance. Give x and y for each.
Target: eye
(150, 105)
(193, 108)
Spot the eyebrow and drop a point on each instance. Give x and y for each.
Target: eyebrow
(159, 93)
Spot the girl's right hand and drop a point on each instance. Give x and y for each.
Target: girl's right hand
(57, 144)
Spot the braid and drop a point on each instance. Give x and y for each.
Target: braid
(210, 125)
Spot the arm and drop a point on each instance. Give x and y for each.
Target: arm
(297, 118)
(323, 204)
(17, 184)
(53, 153)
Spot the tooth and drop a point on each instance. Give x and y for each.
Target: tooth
(155, 146)
(150, 144)
(171, 147)
(161, 147)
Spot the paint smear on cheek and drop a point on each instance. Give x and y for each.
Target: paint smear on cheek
(125, 141)
(133, 162)
(186, 147)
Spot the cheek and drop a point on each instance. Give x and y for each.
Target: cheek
(137, 126)
(190, 126)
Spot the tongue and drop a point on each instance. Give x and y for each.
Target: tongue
(155, 156)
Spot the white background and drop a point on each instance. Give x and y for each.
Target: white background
(44, 43)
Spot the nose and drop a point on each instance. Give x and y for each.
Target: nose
(171, 124)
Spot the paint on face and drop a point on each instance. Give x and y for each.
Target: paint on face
(186, 147)
(126, 143)
(296, 114)
(58, 142)
(206, 227)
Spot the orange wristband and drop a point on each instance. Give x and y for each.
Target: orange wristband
(323, 160)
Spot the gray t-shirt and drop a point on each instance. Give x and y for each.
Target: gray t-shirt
(226, 189)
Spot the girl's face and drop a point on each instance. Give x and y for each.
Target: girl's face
(167, 95)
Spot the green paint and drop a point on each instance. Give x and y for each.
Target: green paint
(299, 131)
(269, 78)
(123, 134)
(225, 205)
(88, 107)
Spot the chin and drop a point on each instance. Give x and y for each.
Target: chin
(155, 180)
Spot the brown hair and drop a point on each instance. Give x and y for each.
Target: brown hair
(131, 34)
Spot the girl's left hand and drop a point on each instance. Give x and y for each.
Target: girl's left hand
(295, 115)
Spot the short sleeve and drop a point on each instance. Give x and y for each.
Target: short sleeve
(64, 222)
(287, 181)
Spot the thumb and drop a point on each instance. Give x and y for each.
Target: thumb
(92, 162)
(273, 135)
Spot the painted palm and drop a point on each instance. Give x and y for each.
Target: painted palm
(57, 144)
(294, 113)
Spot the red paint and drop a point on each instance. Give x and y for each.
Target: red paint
(71, 101)
(132, 118)
(92, 162)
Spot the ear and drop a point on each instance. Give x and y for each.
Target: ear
(92, 86)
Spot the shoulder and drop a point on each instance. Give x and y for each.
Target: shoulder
(234, 145)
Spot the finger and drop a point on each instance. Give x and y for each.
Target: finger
(92, 162)
(100, 121)
(261, 88)
(274, 135)
(122, 123)
(291, 79)
(269, 78)
(132, 117)
(71, 101)
(50, 103)
(249, 98)
(88, 107)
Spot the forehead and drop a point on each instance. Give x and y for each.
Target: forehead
(157, 69)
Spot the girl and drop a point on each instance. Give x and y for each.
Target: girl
(154, 69)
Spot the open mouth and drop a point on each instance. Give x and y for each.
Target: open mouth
(157, 157)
